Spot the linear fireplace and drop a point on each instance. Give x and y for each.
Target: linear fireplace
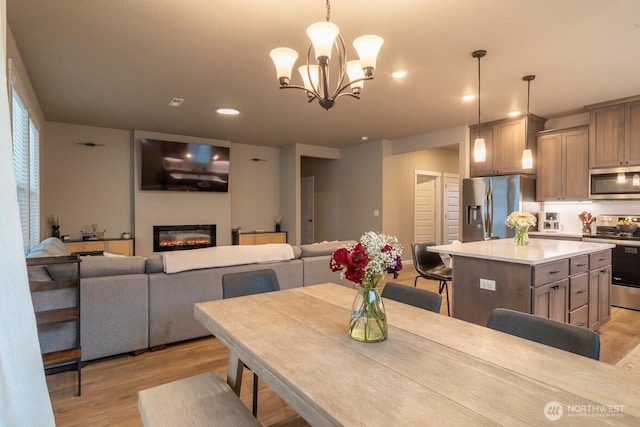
(182, 237)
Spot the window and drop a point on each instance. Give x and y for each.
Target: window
(26, 162)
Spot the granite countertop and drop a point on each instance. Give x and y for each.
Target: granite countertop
(538, 251)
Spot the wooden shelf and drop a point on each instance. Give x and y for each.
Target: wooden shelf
(57, 316)
(37, 286)
(62, 356)
(65, 356)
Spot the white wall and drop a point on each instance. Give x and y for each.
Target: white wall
(254, 187)
(174, 207)
(399, 188)
(568, 212)
(24, 398)
(87, 185)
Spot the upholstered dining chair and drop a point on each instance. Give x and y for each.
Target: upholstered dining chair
(564, 336)
(250, 283)
(429, 266)
(416, 297)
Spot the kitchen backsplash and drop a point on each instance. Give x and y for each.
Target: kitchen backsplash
(568, 212)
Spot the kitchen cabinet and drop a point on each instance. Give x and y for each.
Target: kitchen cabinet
(614, 133)
(550, 294)
(579, 290)
(505, 140)
(563, 165)
(599, 288)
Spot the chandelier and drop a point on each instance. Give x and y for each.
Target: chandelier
(325, 36)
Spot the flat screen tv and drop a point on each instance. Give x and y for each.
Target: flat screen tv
(180, 166)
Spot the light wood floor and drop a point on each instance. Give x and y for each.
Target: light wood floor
(110, 387)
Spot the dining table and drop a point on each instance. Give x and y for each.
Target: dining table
(431, 370)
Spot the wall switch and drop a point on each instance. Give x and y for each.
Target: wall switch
(487, 284)
(376, 212)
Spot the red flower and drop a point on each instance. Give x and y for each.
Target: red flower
(340, 259)
(354, 274)
(359, 257)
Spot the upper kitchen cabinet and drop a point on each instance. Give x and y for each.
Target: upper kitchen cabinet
(614, 133)
(505, 140)
(563, 165)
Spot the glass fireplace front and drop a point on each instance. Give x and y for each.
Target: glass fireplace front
(182, 237)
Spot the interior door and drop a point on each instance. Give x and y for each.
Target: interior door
(426, 206)
(451, 207)
(307, 188)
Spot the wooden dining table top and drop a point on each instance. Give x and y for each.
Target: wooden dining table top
(432, 369)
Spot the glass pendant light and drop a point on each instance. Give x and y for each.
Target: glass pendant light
(479, 147)
(527, 155)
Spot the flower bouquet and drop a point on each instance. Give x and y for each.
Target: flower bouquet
(521, 221)
(365, 263)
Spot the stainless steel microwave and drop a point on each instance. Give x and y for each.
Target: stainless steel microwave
(614, 183)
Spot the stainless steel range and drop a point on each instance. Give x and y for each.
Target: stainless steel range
(624, 232)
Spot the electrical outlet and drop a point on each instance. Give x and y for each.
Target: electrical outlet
(487, 284)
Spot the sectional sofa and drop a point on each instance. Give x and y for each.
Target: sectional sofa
(130, 303)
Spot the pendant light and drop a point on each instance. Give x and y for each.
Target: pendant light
(527, 155)
(479, 148)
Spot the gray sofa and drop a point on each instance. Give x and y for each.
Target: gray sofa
(130, 303)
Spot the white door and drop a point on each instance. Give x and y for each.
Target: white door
(426, 207)
(451, 207)
(307, 187)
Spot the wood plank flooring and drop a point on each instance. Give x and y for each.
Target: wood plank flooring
(110, 387)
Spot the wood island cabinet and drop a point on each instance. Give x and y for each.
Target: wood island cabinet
(614, 133)
(563, 165)
(505, 140)
(599, 288)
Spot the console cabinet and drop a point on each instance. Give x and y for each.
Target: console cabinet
(115, 246)
(505, 140)
(258, 238)
(563, 165)
(614, 133)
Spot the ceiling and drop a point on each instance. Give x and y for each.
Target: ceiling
(118, 63)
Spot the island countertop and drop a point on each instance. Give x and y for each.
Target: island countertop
(538, 251)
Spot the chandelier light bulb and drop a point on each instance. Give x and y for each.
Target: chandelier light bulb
(323, 35)
(368, 48)
(307, 71)
(355, 72)
(284, 59)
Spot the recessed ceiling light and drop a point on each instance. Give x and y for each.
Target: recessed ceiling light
(399, 74)
(514, 113)
(228, 111)
(176, 102)
(364, 138)
(467, 98)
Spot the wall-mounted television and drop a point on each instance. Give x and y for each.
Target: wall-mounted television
(183, 166)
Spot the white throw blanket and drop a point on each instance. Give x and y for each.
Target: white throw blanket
(223, 256)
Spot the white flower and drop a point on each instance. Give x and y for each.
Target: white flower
(520, 220)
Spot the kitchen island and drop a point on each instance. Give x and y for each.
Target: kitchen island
(563, 280)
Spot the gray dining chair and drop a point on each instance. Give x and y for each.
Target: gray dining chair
(564, 336)
(416, 297)
(429, 266)
(250, 283)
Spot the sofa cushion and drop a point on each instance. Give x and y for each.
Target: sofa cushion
(154, 264)
(98, 266)
(49, 247)
(323, 248)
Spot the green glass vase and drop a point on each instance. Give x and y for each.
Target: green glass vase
(368, 319)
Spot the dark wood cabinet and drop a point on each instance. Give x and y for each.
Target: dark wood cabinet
(599, 288)
(57, 310)
(614, 133)
(505, 141)
(551, 300)
(563, 165)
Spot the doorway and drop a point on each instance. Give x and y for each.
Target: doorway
(307, 230)
(451, 208)
(427, 204)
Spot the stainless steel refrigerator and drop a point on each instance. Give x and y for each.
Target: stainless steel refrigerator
(487, 201)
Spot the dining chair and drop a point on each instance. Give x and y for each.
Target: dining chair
(564, 336)
(250, 283)
(429, 266)
(416, 297)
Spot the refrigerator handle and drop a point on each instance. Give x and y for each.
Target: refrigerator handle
(488, 225)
